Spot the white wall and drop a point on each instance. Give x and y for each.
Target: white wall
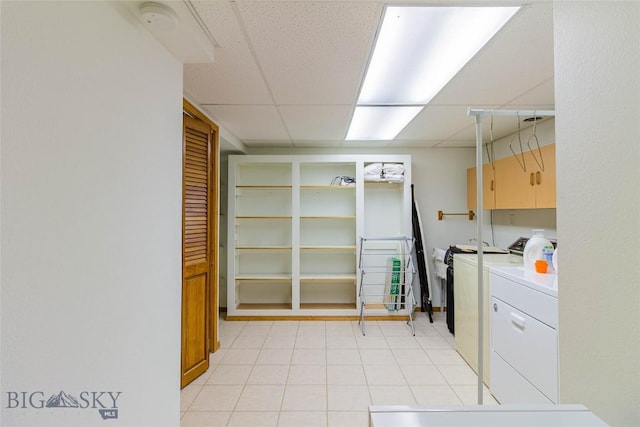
(91, 214)
(597, 81)
(439, 178)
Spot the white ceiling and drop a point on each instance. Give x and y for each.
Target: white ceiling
(287, 74)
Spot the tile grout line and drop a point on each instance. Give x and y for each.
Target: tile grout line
(286, 382)
(326, 376)
(326, 349)
(244, 386)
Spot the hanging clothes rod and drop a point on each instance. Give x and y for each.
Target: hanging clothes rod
(479, 114)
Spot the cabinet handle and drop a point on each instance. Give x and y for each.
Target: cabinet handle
(491, 187)
(531, 179)
(538, 177)
(518, 321)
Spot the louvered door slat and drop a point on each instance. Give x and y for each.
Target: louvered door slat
(195, 190)
(196, 171)
(197, 181)
(197, 155)
(196, 163)
(196, 135)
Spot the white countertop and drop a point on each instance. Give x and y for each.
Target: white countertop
(483, 416)
(545, 283)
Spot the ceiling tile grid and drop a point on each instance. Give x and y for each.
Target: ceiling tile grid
(234, 77)
(250, 122)
(287, 73)
(323, 122)
(312, 52)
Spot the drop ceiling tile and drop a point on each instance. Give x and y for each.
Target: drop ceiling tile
(517, 59)
(452, 122)
(319, 122)
(312, 52)
(232, 80)
(234, 77)
(539, 96)
(248, 123)
(455, 143)
(414, 143)
(221, 22)
(436, 122)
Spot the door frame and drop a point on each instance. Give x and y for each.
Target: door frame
(191, 110)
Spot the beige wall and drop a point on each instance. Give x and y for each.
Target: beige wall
(91, 213)
(597, 84)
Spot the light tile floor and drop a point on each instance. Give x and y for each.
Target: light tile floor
(325, 373)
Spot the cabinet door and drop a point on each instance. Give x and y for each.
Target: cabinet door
(533, 188)
(472, 189)
(515, 188)
(546, 180)
(488, 187)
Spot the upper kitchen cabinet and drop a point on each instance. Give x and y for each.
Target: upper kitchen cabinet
(488, 188)
(527, 184)
(527, 181)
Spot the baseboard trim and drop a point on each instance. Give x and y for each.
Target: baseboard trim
(327, 317)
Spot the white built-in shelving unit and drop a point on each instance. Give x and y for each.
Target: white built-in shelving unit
(294, 235)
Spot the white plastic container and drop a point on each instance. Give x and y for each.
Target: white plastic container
(533, 249)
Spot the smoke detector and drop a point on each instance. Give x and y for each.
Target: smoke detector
(158, 16)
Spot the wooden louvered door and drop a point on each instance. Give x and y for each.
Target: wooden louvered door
(197, 248)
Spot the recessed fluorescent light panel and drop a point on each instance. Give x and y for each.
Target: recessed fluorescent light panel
(380, 123)
(419, 49)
